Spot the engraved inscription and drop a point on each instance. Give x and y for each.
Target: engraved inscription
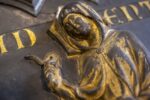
(18, 40)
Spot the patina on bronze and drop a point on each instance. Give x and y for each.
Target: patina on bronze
(31, 6)
(111, 64)
(95, 1)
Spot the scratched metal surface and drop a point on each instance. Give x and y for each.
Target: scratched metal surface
(22, 80)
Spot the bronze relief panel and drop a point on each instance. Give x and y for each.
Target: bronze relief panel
(110, 63)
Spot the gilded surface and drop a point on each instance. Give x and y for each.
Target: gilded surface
(111, 64)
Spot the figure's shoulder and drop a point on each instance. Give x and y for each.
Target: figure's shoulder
(113, 37)
(117, 34)
(124, 39)
(119, 39)
(130, 37)
(124, 34)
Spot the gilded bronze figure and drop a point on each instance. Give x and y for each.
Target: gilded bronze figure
(111, 64)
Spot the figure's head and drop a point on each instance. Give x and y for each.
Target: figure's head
(78, 27)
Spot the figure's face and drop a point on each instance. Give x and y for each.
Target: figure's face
(78, 28)
(78, 25)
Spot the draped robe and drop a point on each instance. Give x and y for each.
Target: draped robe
(119, 69)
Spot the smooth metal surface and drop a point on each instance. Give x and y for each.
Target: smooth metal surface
(31, 6)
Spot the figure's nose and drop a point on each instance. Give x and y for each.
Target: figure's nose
(83, 27)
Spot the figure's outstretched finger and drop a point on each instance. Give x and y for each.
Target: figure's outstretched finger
(34, 58)
(28, 57)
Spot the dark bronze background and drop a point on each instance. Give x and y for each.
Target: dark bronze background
(20, 80)
(31, 6)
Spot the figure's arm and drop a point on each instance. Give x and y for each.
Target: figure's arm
(90, 89)
(140, 56)
(135, 56)
(91, 86)
(56, 83)
(144, 68)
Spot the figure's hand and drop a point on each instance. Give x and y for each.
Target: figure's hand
(53, 76)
